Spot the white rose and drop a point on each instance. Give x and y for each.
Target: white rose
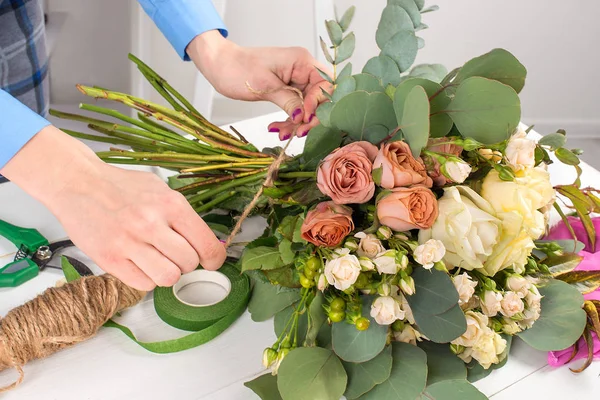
(341, 252)
(472, 304)
(385, 310)
(529, 192)
(466, 355)
(510, 326)
(465, 287)
(366, 264)
(408, 335)
(511, 304)
(408, 314)
(322, 283)
(407, 285)
(467, 227)
(518, 284)
(490, 303)
(369, 245)
(342, 272)
(530, 315)
(520, 151)
(386, 263)
(456, 171)
(476, 324)
(487, 349)
(429, 253)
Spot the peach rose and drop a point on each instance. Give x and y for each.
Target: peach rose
(327, 224)
(433, 165)
(345, 174)
(400, 168)
(408, 208)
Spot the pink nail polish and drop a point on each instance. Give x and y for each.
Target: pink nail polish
(222, 241)
(286, 137)
(296, 113)
(274, 130)
(304, 134)
(311, 118)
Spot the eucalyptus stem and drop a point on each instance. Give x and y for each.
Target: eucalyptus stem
(188, 188)
(246, 164)
(215, 202)
(227, 186)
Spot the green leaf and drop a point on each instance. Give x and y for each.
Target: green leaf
(297, 238)
(308, 195)
(286, 252)
(562, 320)
(319, 143)
(415, 120)
(411, 8)
(584, 281)
(69, 270)
(353, 345)
(566, 156)
(317, 318)
(324, 75)
(358, 111)
(377, 174)
(402, 48)
(324, 336)
(175, 182)
(324, 114)
(485, 110)
(442, 364)
(432, 72)
(346, 48)
(285, 276)
(393, 20)
(310, 373)
(346, 71)
(384, 68)
(562, 263)
(499, 65)
(408, 378)
(265, 387)
(420, 4)
(434, 292)
(420, 42)
(335, 32)
(347, 18)
(450, 77)
(368, 83)
(363, 377)
(442, 328)
(553, 140)
(584, 206)
(283, 317)
(328, 57)
(261, 258)
(430, 9)
(456, 389)
(568, 246)
(266, 300)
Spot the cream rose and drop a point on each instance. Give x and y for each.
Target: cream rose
(491, 303)
(487, 349)
(467, 227)
(465, 287)
(370, 246)
(408, 314)
(520, 151)
(385, 310)
(511, 304)
(476, 325)
(386, 263)
(530, 315)
(518, 284)
(430, 252)
(456, 171)
(530, 191)
(533, 298)
(510, 326)
(408, 335)
(342, 272)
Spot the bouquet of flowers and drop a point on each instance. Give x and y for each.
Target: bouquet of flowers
(404, 246)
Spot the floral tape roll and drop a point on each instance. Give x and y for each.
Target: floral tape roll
(206, 321)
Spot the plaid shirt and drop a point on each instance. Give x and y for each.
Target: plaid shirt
(23, 57)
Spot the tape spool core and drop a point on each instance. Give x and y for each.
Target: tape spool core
(209, 288)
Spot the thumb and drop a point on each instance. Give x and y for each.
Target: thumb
(290, 102)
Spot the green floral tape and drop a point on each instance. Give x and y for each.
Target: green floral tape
(206, 322)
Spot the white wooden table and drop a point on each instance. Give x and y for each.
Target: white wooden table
(110, 366)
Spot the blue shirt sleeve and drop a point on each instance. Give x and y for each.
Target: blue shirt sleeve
(18, 124)
(182, 20)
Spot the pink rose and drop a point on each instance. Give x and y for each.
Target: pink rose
(345, 174)
(327, 224)
(399, 167)
(408, 208)
(433, 165)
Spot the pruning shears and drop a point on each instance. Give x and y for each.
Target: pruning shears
(34, 253)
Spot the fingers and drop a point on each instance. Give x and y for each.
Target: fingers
(290, 102)
(314, 97)
(129, 273)
(285, 129)
(177, 249)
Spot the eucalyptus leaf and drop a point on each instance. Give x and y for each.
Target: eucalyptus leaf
(566, 156)
(553, 140)
(408, 377)
(346, 71)
(317, 319)
(358, 111)
(286, 252)
(335, 32)
(402, 48)
(261, 257)
(393, 19)
(411, 8)
(325, 50)
(265, 387)
(363, 377)
(324, 75)
(385, 69)
(266, 300)
(485, 110)
(283, 317)
(442, 364)
(432, 72)
(420, 42)
(352, 345)
(324, 115)
(415, 120)
(319, 143)
(420, 4)
(345, 86)
(434, 292)
(309, 373)
(346, 48)
(499, 65)
(442, 328)
(346, 19)
(456, 389)
(562, 319)
(368, 83)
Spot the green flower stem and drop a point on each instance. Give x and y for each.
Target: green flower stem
(181, 156)
(155, 163)
(297, 312)
(196, 185)
(292, 175)
(149, 144)
(227, 186)
(246, 164)
(215, 202)
(142, 117)
(111, 140)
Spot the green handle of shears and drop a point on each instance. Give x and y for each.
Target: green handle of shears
(18, 272)
(30, 239)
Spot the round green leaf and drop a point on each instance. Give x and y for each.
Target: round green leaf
(434, 292)
(265, 386)
(433, 72)
(267, 300)
(283, 317)
(562, 320)
(458, 389)
(385, 69)
(393, 19)
(346, 71)
(402, 48)
(485, 110)
(553, 140)
(442, 328)
(358, 111)
(442, 364)
(311, 373)
(353, 345)
(324, 114)
(408, 378)
(368, 83)
(345, 86)
(411, 8)
(415, 120)
(420, 4)
(363, 377)
(319, 143)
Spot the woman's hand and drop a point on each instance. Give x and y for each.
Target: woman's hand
(130, 223)
(228, 67)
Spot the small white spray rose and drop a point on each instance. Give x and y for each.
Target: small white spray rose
(457, 171)
(491, 303)
(408, 314)
(342, 272)
(386, 263)
(407, 285)
(510, 326)
(408, 335)
(477, 323)
(370, 246)
(465, 287)
(366, 264)
(520, 151)
(518, 284)
(430, 252)
(322, 283)
(385, 310)
(512, 304)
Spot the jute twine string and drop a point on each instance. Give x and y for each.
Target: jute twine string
(63, 316)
